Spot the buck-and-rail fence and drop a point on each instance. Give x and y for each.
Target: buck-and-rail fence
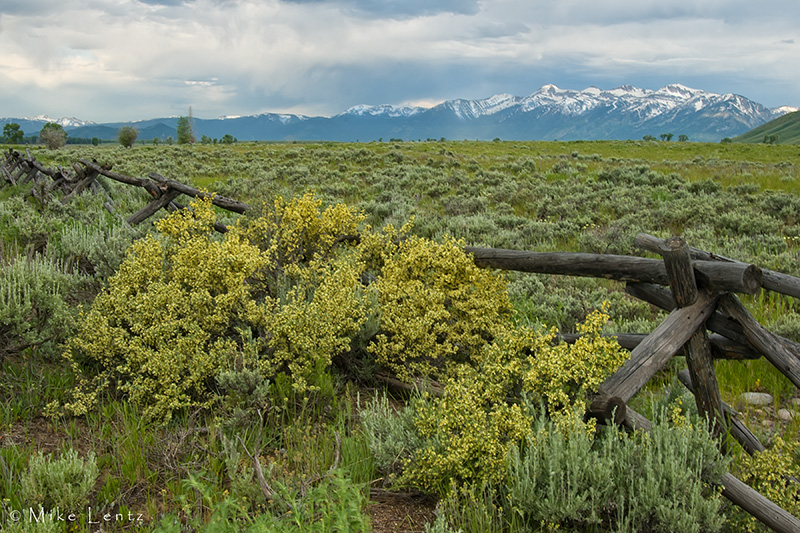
(705, 321)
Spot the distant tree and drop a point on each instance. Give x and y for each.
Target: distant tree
(649, 138)
(169, 140)
(666, 136)
(155, 141)
(12, 133)
(205, 139)
(228, 139)
(127, 136)
(726, 140)
(95, 141)
(772, 139)
(185, 135)
(683, 138)
(53, 135)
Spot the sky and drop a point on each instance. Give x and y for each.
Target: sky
(122, 60)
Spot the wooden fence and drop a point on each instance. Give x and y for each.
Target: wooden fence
(84, 174)
(700, 299)
(706, 320)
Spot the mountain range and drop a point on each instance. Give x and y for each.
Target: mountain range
(549, 113)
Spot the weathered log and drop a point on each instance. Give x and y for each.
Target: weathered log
(652, 353)
(636, 421)
(629, 341)
(663, 299)
(220, 201)
(735, 490)
(152, 207)
(717, 276)
(44, 170)
(79, 172)
(758, 505)
(88, 178)
(611, 409)
(419, 385)
(721, 347)
(130, 180)
(738, 429)
(675, 252)
(680, 274)
(99, 189)
(22, 169)
(770, 346)
(718, 323)
(774, 281)
(7, 175)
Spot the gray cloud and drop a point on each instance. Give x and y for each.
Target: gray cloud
(400, 8)
(123, 59)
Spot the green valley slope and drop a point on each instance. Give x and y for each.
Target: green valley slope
(787, 129)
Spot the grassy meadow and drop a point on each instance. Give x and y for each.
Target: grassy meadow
(325, 452)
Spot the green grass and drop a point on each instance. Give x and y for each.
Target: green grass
(784, 130)
(739, 200)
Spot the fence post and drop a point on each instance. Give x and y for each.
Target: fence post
(682, 282)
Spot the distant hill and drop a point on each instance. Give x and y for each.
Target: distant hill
(786, 128)
(549, 113)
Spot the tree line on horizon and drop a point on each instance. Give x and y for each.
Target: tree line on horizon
(54, 136)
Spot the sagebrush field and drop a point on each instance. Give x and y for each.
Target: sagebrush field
(176, 379)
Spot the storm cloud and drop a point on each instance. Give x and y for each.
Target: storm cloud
(132, 59)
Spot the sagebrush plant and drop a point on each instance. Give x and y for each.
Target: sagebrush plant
(391, 435)
(34, 308)
(64, 482)
(656, 481)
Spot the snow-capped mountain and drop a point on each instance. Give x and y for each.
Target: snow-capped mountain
(471, 109)
(387, 110)
(625, 112)
(66, 122)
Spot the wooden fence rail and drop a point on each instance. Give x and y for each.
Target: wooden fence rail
(84, 174)
(699, 299)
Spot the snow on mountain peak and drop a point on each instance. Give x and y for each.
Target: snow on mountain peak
(487, 106)
(784, 110)
(679, 90)
(64, 121)
(389, 110)
(629, 90)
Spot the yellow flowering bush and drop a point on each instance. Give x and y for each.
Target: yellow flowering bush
(186, 305)
(466, 438)
(437, 308)
(468, 432)
(563, 375)
(769, 473)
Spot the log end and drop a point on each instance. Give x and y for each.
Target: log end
(752, 279)
(607, 410)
